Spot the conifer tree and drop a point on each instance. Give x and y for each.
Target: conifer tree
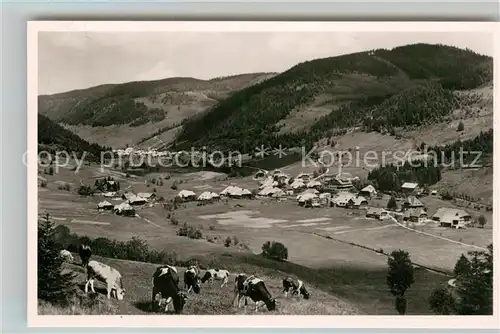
(54, 285)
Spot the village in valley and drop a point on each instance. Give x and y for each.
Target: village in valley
(130, 206)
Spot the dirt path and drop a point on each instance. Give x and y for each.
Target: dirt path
(437, 236)
(148, 221)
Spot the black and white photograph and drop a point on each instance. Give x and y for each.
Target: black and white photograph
(261, 169)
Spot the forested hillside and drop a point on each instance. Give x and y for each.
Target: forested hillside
(406, 86)
(53, 137)
(137, 102)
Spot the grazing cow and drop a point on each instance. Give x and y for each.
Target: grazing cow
(255, 289)
(106, 274)
(66, 255)
(295, 287)
(85, 252)
(216, 274)
(165, 268)
(192, 279)
(166, 288)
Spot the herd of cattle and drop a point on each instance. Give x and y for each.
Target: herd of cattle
(165, 284)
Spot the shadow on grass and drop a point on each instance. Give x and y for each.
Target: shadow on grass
(98, 290)
(145, 306)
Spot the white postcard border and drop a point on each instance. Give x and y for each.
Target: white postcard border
(238, 321)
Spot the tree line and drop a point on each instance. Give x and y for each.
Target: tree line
(53, 137)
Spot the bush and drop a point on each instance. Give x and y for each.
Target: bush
(85, 191)
(236, 241)
(442, 302)
(460, 127)
(275, 251)
(134, 249)
(173, 186)
(227, 242)
(43, 184)
(190, 232)
(174, 221)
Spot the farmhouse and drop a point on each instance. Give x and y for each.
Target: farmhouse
(124, 209)
(278, 193)
(128, 195)
(412, 202)
(305, 197)
(281, 178)
(368, 191)
(270, 191)
(147, 196)
(186, 195)
(313, 184)
(359, 202)
(232, 191)
(415, 215)
(377, 213)
(245, 193)
(409, 188)
(297, 184)
(136, 200)
(105, 205)
(206, 196)
(110, 194)
(342, 181)
(304, 177)
(449, 217)
(342, 199)
(269, 182)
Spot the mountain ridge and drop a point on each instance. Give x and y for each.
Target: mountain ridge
(302, 104)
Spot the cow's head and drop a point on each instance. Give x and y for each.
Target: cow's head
(271, 304)
(197, 285)
(305, 293)
(179, 301)
(206, 277)
(119, 293)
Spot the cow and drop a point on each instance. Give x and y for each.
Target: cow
(166, 288)
(192, 279)
(85, 252)
(255, 289)
(106, 274)
(66, 256)
(216, 274)
(295, 287)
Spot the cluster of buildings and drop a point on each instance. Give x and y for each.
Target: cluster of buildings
(127, 207)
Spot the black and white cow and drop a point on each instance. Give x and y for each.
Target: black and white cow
(253, 288)
(192, 279)
(166, 289)
(216, 274)
(295, 287)
(85, 252)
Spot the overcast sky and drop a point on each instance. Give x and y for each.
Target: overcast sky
(75, 60)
